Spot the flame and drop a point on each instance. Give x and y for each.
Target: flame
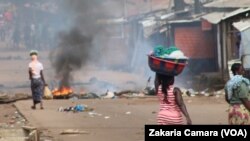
(63, 91)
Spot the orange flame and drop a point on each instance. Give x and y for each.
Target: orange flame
(62, 92)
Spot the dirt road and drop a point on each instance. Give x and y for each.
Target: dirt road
(117, 125)
(120, 119)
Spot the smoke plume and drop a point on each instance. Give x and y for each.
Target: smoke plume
(71, 55)
(75, 45)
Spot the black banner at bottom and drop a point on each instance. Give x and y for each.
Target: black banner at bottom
(197, 132)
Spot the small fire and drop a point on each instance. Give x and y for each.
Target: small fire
(64, 91)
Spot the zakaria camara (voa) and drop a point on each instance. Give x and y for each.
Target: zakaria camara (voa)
(186, 132)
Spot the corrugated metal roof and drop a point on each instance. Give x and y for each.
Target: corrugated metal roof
(228, 4)
(242, 25)
(236, 12)
(217, 17)
(184, 21)
(214, 17)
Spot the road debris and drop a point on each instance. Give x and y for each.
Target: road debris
(109, 95)
(92, 114)
(73, 131)
(75, 109)
(106, 117)
(128, 113)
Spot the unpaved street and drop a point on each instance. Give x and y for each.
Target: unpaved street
(120, 119)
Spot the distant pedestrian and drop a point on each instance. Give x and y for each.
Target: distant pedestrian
(37, 79)
(238, 97)
(171, 103)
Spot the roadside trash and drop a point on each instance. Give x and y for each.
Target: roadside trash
(94, 114)
(47, 93)
(149, 91)
(109, 95)
(61, 109)
(220, 92)
(206, 94)
(190, 92)
(89, 96)
(184, 92)
(74, 98)
(128, 113)
(126, 92)
(77, 108)
(106, 117)
(217, 96)
(205, 91)
(72, 131)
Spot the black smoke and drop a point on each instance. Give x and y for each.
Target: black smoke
(75, 45)
(71, 54)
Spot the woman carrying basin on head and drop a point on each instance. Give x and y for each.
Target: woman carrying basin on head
(172, 105)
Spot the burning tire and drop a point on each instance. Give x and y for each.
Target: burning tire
(62, 93)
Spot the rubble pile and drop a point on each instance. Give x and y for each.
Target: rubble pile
(207, 92)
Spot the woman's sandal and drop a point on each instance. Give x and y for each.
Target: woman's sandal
(33, 107)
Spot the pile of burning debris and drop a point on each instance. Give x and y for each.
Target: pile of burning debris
(66, 92)
(71, 92)
(57, 94)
